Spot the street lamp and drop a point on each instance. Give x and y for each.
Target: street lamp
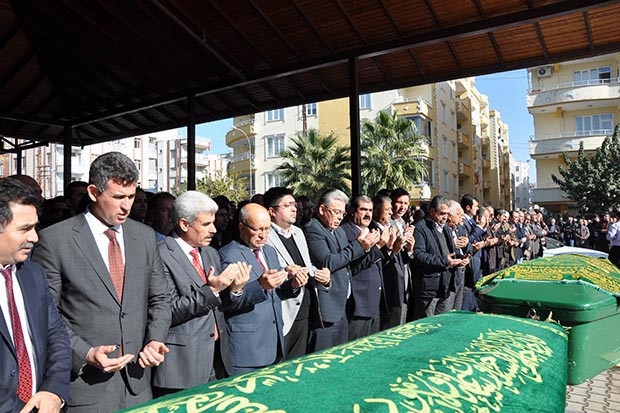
(250, 150)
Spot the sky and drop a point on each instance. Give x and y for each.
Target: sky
(506, 92)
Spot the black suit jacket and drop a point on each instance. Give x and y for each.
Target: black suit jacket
(366, 278)
(52, 352)
(431, 275)
(333, 251)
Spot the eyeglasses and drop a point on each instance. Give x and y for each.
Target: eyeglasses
(257, 230)
(336, 212)
(289, 205)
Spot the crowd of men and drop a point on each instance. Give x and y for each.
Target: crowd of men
(150, 294)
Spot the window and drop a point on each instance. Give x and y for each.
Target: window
(423, 127)
(446, 154)
(443, 112)
(274, 145)
(592, 76)
(452, 119)
(272, 180)
(275, 115)
(455, 183)
(455, 155)
(311, 109)
(136, 143)
(137, 162)
(595, 124)
(446, 182)
(365, 101)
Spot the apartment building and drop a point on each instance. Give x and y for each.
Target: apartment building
(571, 102)
(521, 183)
(467, 152)
(161, 159)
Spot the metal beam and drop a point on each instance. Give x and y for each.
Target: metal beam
(354, 122)
(66, 155)
(191, 142)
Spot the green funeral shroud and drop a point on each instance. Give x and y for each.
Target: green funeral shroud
(595, 272)
(455, 362)
(579, 292)
(575, 288)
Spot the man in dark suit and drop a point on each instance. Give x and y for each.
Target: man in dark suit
(197, 339)
(329, 248)
(35, 356)
(107, 280)
(363, 312)
(395, 261)
(290, 243)
(434, 260)
(462, 250)
(254, 315)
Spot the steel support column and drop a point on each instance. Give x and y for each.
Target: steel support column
(354, 121)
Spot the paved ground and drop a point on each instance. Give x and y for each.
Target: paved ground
(600, 394)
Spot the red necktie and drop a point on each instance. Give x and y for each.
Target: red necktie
(197, 266)
(203, 276)
(24, 387)
(115, 261)
(260, 263)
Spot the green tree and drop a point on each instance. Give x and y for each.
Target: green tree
(231, 185)
(391, 149)
(315, 163)
(593, 182)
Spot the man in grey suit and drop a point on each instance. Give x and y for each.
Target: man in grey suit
(254, 315)
(107, 280)
(197, 339)
(329, 247)
(290, 244)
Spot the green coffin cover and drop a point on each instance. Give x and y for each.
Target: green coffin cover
(576, 288)
(455, 362)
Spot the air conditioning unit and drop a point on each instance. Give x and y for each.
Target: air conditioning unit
(544, 71)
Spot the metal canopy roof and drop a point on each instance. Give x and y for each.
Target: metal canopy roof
(111, 69)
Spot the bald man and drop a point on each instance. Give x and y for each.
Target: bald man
(254, 314)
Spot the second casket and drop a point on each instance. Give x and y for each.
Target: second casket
(579, 292)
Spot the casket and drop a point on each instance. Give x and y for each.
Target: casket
(455, 362)
(579, 292)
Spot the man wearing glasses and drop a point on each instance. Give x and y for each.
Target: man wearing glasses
(292, 248)
(254, 314)
(329, 248)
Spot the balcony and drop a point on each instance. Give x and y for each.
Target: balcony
(548, 195)
(201, 161)
(201, 145)
(464, 169)
(463, 139)
(569, 142)
(237, 138)
(572, 96)
(408, 107)
(421, 192)
(463, 108)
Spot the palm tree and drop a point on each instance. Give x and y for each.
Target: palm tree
(391, 149)
(315, 163)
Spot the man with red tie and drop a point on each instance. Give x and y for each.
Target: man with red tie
(35, 355)
(108, 283)
(197, 339)
(254, 314)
